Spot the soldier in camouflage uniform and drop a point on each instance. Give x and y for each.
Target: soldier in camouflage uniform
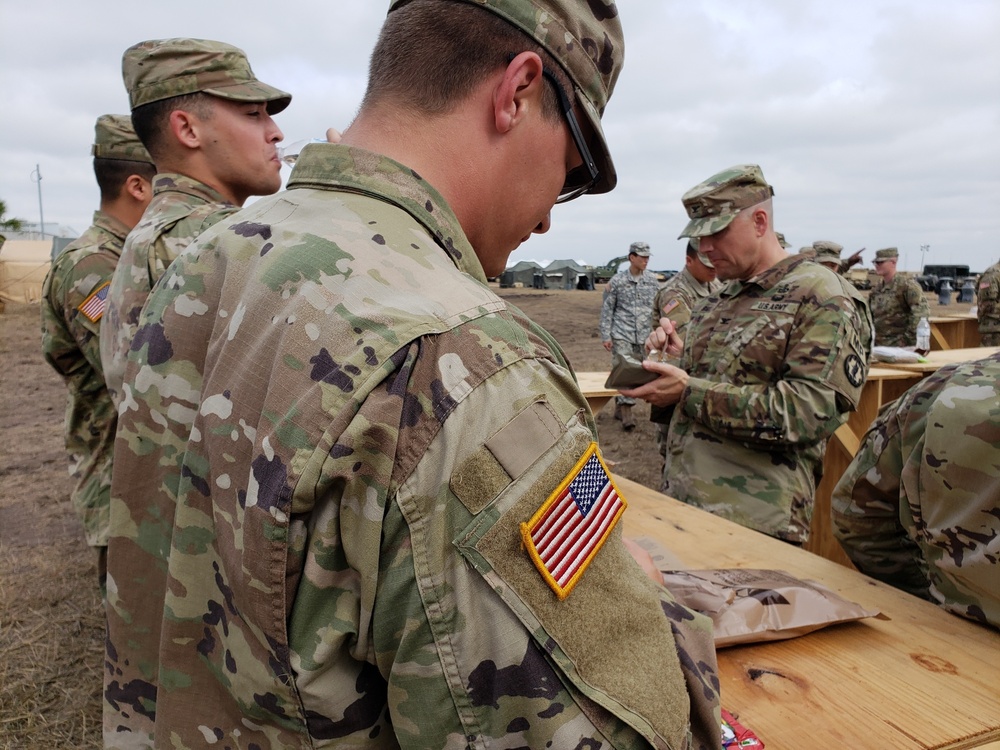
(828, 254)
(624, 324)
(767, 372)
(919, 506)
(206, 119)
(73, 302)
(988, 302)
(340, 441)
(897, 303)
(675, 301)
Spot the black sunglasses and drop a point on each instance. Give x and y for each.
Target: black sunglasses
(582, 179)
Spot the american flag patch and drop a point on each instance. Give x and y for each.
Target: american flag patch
(93, 307)
(566, 533)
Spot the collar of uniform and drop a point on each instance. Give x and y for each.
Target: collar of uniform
(110, 224)
(325, 166)
(166, 182)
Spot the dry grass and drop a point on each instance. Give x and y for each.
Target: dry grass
(51, 647)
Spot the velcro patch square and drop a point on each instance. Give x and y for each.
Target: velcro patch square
(92, 308)
(568, 531)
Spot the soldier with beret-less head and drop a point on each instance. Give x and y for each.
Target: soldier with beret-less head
(766, 373)
(919, 506)
(74, 297)
(624, 324)
(378, 458)
(206, 120)
(897, 302)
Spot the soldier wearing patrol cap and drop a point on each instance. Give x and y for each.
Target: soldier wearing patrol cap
(624, 324)
(828, 254)
(897, 302)
(366, 454)
(206, 120)
(766, 373)
(73, 301)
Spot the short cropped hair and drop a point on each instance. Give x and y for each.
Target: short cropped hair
(692, 249)
(111, 175)
(150, 120)
(430, 54)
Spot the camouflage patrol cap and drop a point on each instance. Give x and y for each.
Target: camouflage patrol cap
(713, 204)
(114, 138)
(164, 68)
(886, 253)
(827, 252)
(781, 240)
(639, 248)
(586, 39)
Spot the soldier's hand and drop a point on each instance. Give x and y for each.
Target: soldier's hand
(332, 135)
(644, 559)
(665, 390)
(665, 339)
(607, 345)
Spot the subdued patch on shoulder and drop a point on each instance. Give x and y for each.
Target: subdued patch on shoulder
(775, 307)
(665, 310)
(506, 455)
(92, 308)
(571, 526)
(854, 368)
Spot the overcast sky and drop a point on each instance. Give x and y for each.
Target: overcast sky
(876, 121)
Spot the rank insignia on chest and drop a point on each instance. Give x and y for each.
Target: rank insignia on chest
(92, 308)
(568, 531)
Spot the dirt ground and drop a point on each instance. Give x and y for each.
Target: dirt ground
(51, 621)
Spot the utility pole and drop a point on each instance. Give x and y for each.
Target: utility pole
(41, 215)
(923, 249)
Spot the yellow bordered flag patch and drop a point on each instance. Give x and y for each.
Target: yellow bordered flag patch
(92, 308)
(568, 531)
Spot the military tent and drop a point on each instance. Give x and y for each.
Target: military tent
(521, 273)
(23, 265)
(568, 274)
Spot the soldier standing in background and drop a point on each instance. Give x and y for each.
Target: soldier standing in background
(376, 443)
(206, 120)
(827, 254)
(675, 301)
(919, 506)
(988, 303)
(73, 302)
(768, 371)
(624, 325)
(897, 303)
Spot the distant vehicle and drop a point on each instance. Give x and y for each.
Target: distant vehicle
(602, 274)
(932, 275)
(860, 277)
(664, 276)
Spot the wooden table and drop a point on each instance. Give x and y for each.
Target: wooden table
(937, 359)
(954, 332)
(592, 385)
(922, 678)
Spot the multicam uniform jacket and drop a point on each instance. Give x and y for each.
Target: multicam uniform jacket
(775, 364)
(988, 302)
(181, 209)
(331, 432)
(73, 303)
(897, 308)
(678, 298)
(919, 507)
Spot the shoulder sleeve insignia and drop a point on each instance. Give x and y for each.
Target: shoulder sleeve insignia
(566, 533)
(668, 307)
(855, 370)
(92, 308)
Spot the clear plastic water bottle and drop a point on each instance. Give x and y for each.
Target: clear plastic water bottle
(923, 336)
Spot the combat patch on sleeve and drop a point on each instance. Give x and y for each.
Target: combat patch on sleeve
(568, 531)
(854, 369)
(92, 308)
